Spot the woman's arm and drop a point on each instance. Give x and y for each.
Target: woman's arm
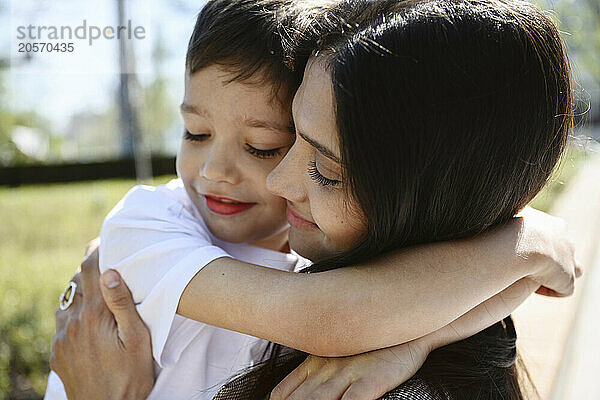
(395, 299)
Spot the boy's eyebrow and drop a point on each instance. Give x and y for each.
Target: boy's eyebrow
(193, 109)
(257, 123)
(322, 149)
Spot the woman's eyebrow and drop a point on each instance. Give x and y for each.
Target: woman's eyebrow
(324, 150)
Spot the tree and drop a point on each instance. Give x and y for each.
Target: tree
(133, 144)
(9, 153)
(157, 114)
(579, 20)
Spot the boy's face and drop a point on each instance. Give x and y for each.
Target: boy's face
(234, 136)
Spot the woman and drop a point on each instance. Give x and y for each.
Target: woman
(425, 121)
(452, 114)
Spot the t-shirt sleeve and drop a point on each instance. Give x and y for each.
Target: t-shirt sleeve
(157, 246)
(54, 388)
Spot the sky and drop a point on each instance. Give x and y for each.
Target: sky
(58, 85)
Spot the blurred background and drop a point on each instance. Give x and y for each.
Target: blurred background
(78, 129)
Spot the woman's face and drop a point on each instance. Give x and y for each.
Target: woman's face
(323, 219)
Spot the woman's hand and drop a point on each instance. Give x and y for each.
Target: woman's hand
(102, 350)
(545, 241)
(371, 375)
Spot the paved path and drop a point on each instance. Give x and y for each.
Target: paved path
(559, 338)
(580, 369)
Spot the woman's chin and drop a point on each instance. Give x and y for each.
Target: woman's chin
(309, 244)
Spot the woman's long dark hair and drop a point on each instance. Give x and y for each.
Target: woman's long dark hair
(452, 115)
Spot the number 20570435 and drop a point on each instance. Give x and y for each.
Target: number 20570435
(46, 47)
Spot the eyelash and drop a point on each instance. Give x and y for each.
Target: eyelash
(264, 154)
(195, 138)
(258, 153)
(316, 176)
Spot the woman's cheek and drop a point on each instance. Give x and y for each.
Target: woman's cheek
(342, 226)
(347, 236)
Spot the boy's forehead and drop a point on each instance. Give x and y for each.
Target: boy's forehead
(210, 93)
(214, 85)
(260, 80)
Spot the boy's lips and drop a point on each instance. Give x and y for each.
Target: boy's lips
(224, 205)
(297, 221)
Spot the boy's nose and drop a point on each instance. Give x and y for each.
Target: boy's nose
(220, 167)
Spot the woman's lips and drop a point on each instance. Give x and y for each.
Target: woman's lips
(225, 206)
(298, 222)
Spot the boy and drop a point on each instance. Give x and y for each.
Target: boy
(236, 112)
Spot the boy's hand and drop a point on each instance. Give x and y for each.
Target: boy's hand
(363, 376)
(545, 241)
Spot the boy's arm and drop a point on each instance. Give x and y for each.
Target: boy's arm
(371, 375)
(394, 299)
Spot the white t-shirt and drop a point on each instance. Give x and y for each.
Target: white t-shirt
(158, 241)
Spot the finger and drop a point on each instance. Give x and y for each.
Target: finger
(120, 302)
(308, 388)
(563, 284)
(91, 247)
(54, 352)
(544, 291)
(90, 277)
(74, 310)
(361, 390)
(61, 316)
(289, 383)
(333, 389)
(60, 320)
(69, 319)
(375, 386)
(79, 289)
(578, 271)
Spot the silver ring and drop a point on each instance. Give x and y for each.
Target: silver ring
(66, 298)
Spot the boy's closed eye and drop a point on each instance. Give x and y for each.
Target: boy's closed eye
(260, 153)
(255, 151)
(195, 137)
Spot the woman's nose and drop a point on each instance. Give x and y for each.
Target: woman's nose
(220, 165)
(286, 179)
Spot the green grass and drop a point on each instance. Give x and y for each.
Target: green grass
(43, 232)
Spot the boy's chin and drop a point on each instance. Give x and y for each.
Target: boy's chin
(239, 230)
(226, 232)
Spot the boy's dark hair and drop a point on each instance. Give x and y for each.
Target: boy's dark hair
(246, 38)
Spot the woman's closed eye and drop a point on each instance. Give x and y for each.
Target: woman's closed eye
(316, 176)
(195, 138)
